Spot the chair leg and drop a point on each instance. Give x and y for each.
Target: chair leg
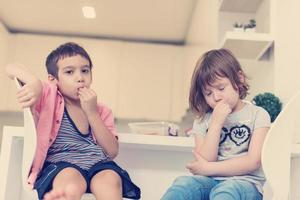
(10, 168)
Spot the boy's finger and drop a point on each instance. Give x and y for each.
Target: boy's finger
(28, 103)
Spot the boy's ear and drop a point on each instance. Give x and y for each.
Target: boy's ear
(51, 78)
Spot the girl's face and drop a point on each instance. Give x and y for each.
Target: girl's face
(222, 90)
(73, 73)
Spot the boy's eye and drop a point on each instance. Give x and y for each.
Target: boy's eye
(69, 72)
(221, 88)
(85, 70)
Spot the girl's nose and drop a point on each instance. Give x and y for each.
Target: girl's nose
(217, 96)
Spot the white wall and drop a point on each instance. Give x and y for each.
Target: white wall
(261, 76)
(287, 48)
(203, 28)
(287, 62)
(263, 17)
(138, 81)
(4, 48)
(4, 34)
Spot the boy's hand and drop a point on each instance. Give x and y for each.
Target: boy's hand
(29, 93)
(199, 166)
(88, 100)
(220, 112)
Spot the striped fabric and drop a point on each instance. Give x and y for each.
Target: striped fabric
(74, 147)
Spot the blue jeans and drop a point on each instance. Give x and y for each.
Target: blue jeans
(206, 188)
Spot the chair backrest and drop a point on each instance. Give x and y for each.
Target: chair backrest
(276, 152)
(30, 142)
(29, 148)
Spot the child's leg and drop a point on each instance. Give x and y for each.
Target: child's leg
(55, 195)
(190, 188)
(106, 184)
(68, 184)
(235, 190)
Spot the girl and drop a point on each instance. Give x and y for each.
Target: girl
(229, 135)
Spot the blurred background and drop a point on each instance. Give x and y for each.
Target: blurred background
(144, 52)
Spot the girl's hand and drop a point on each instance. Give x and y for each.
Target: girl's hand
(220, 112)
(88, 101)
(29, 93)
(199, 166)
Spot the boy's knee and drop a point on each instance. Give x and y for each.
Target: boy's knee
(74, 191)
(107, 177)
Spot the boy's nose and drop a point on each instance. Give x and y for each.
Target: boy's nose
(80, 77)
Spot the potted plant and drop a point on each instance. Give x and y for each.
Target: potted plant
(250, 27)
(270, 103)
(238, 26)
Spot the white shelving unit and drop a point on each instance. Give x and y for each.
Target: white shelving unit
(156, 142)
(245, 45)
(295, 150)
(239, 6)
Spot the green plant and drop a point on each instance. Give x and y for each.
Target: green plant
(251, 24)
(237, 25)
(270, 103)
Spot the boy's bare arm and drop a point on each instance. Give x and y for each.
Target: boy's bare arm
(234, 166)
(88, 101)
(31, 91)
(107, 140)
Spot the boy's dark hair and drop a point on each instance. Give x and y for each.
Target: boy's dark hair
(65, 50)
(214, 64)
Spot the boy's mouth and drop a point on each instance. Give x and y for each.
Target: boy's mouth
(80, 87)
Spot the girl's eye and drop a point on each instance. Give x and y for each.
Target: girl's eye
(221, 88)
(207, 94)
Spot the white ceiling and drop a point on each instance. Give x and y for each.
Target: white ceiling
(164, 21)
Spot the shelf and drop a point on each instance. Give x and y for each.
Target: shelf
(249, 6)
(295, 150)
(155, 142)
(247, 45)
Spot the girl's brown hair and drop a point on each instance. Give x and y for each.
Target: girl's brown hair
(214, 64)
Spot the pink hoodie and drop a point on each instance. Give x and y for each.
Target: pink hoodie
(48, 113)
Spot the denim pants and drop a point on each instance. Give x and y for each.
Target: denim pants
(206, 188)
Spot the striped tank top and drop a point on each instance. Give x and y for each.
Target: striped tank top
(74, 147)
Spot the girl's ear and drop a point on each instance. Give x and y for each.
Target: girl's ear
(241, 76)
(52, 79)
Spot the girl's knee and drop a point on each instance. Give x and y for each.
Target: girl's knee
(191, 181)
(183, 180)
(184, 183)
(225, 188)
(234, 189)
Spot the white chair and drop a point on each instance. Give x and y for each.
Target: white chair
(10, 156)
(276, 152)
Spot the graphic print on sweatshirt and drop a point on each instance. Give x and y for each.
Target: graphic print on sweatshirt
(234, 139)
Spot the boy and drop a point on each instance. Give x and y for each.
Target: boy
(77, 140)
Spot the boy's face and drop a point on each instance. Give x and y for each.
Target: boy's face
(73, 73)
(222, 91)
